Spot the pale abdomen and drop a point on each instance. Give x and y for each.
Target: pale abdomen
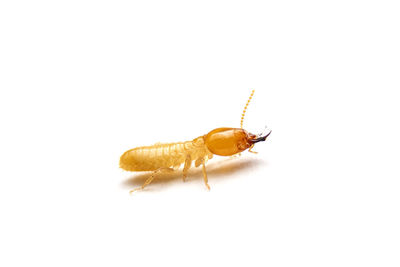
(150, 158)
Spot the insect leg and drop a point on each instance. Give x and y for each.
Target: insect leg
(188, 162)
(250, 149)
(205, 174)
(150, 179)
(236, 155)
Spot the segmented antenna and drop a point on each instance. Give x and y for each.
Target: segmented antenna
(245, 108)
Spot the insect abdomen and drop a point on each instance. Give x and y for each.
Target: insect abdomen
(151, 158)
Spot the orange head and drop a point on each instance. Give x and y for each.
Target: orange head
(230, 141)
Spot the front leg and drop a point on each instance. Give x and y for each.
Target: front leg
(250, 149)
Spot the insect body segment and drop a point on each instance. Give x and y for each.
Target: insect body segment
(228, 141)
(166, 157)
(161, 157)
(151, 158)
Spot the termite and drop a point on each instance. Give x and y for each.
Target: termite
(167, 157)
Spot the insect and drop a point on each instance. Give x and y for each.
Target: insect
(167, 157)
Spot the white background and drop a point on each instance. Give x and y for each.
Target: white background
(83, 81)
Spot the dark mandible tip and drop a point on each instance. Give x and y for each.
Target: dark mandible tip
(261, 138)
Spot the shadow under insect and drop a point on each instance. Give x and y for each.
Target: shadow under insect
(221, 170)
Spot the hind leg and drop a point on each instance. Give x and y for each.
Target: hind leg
(150, 179)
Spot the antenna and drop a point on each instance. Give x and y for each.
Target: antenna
(245, 108)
